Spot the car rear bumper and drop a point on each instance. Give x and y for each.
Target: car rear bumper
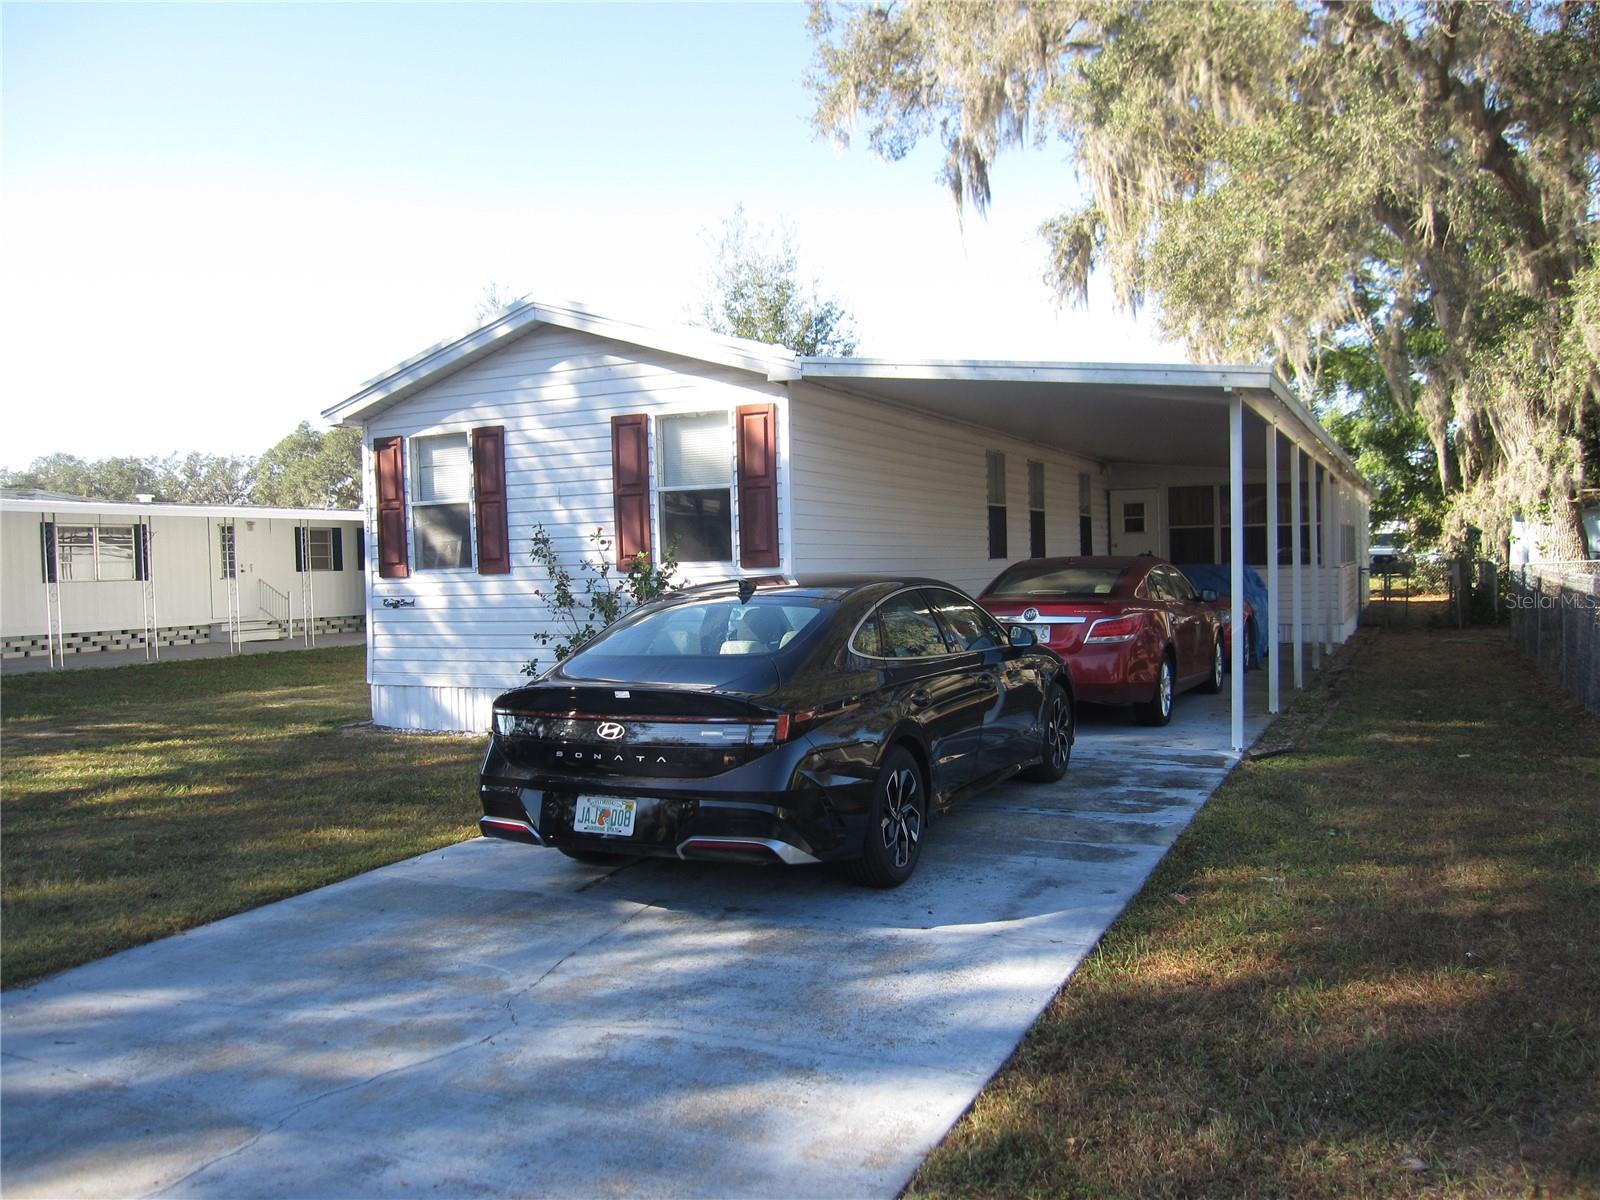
(677, 826)
(1112, 674)
(820, 817)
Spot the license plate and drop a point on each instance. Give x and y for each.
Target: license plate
(609, 816)
(1042, 632)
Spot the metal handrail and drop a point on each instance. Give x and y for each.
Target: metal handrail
(273, 602)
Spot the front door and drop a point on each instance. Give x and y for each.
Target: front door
(235, 545)
(1134, 528)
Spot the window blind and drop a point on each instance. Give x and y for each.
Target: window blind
(444, 469)
(695, 451)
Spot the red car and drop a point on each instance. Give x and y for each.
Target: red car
(1131, 630)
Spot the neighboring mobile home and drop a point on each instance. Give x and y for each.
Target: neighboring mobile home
(82, 576)
(752, 460)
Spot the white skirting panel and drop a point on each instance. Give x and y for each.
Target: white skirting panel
(438, 709)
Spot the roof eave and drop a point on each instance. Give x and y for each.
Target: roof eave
(1220, 380)
(166, 509)
(438, 360)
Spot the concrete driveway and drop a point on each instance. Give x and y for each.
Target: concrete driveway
(491, 1019)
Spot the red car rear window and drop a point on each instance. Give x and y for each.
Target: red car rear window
(1036, 580)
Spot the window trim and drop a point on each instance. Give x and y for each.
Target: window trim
(94, 550)
(1001, 642)
(227, 550)
(659, 488)
(327, 531)
(856, 632)
(1086, 514)
(412, 462)
(1036, 512)
(999, 535)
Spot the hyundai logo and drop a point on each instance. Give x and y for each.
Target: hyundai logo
(610, 730)
(1030, 614)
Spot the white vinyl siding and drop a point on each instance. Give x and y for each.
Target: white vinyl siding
(185, 565)
(465, 637)
(879, 489)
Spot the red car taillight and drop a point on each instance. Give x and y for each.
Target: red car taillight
(792, 725)
(1114, 629)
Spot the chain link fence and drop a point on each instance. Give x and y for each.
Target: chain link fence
(1555, 618)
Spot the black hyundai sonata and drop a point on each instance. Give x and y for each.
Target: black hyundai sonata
(825, 720)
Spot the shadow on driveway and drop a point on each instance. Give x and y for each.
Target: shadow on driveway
(491, 1018)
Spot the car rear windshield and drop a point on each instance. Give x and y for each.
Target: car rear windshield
(1033, 580)
(712, 627)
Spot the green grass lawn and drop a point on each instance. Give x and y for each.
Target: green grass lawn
(144, 800)
(1369, 968)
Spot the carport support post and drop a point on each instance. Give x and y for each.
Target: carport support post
(1296, 567)
(1273, 641)
(1236, 561)
(1316, 560)
(1334, 540)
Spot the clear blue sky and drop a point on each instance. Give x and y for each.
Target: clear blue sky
(219, 219)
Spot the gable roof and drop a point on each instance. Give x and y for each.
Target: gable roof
(416, 372)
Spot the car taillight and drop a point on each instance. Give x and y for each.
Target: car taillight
(792, 725)
(1114, 629)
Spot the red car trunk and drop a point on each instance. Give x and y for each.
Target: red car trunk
(1066, 623)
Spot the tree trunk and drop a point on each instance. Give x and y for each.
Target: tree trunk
(1566, 534)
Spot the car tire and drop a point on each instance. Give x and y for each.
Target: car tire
(1055, 738)
(896, 822)
(1213, 683)
(1158, 709)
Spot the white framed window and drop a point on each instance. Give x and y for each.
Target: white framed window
(225, 552)
(75, 552)
(1035, 509)
(1085, 513)
(441, 504)
(694, 488)
(319, 549)
(995, 470)
(85, 553)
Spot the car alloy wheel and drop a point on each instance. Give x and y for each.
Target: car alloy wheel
(895, 824)
(1055, 739)
(901, 824)
(1158, 709)
(1213, 683)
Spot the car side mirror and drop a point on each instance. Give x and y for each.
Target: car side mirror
(1208, 595)
(1021, 637)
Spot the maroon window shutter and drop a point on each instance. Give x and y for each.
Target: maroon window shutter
(630, 484)
(757, 426)
(390, 458)
(489, 486)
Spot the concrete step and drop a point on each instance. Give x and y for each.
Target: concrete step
(251, 629)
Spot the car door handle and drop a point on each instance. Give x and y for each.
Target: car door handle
(919, 698)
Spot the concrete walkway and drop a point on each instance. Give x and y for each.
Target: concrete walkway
(491, 1019)
(132, 658)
